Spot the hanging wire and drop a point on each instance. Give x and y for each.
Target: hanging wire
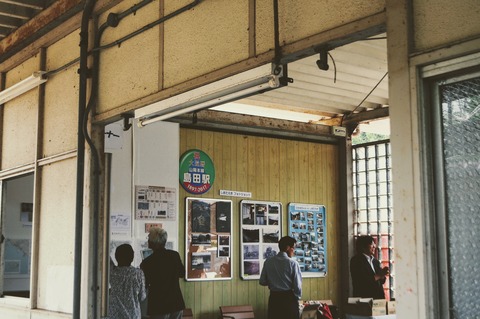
(63, 67)
(334, 68)
(366, 97)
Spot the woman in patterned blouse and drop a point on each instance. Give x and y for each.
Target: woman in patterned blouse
(127, 286)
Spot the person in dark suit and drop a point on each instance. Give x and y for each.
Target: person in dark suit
(367, 275)
(163, 269)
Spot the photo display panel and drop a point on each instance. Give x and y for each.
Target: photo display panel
(208, 239)
(307, 224)
(261, 229)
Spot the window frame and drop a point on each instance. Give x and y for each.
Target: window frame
(431, 77)
(8, 299)
(378, 234)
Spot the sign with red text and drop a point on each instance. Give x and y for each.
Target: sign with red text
(197, 172)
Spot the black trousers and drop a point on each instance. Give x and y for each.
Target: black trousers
(283, 305)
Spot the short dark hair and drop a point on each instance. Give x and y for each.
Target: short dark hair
(286, 241)
(124, 255)
(363, 242)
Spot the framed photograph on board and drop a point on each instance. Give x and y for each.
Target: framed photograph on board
(208, 239)
(261, 229)
(306, 223)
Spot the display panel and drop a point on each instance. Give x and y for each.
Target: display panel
(155, 203)
(261, 228)
(208, 239)
(306, 223)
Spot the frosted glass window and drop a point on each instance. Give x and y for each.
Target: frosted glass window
(460, 105)
(373, 214)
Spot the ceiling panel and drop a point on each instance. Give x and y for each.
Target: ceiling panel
(356, 81)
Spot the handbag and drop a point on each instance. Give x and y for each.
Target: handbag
(323, 312)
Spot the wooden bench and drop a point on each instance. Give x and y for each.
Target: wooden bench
(237, 312)
(187, 314)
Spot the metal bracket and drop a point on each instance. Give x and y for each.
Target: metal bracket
(126, 121)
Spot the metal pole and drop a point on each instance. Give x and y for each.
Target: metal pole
(106, 235)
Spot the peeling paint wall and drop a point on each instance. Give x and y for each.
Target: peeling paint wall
(19, 122)
(56, 236)
(19, 129)
(212, 35)
(61, 99)
(300, 21)
(130, 70)
(442, 22)
(209, 37)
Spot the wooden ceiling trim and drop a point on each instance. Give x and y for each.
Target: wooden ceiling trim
(40, 21)
(52, 24)
(248, 124)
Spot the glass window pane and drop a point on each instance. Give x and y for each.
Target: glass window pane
(373, 201)
(461, 149)
(17, 216)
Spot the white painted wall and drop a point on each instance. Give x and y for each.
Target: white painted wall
(146, 156)
(156, 163)
(56, 240)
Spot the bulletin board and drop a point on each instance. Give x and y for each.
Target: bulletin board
(208, 239)
(261, 229)
(155, 203)
(307, 224)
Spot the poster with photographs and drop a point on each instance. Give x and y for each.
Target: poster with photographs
(260, 231)
(208, 239)
(306, 223)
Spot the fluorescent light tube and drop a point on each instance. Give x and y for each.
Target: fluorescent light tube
(229, 89)
(216, 101)
(23, 86)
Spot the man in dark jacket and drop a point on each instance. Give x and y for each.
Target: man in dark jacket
(163, 269)
(367, 275)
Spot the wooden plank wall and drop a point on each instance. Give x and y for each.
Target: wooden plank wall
(272, 170)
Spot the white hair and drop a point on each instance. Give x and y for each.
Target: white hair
(158, 236)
